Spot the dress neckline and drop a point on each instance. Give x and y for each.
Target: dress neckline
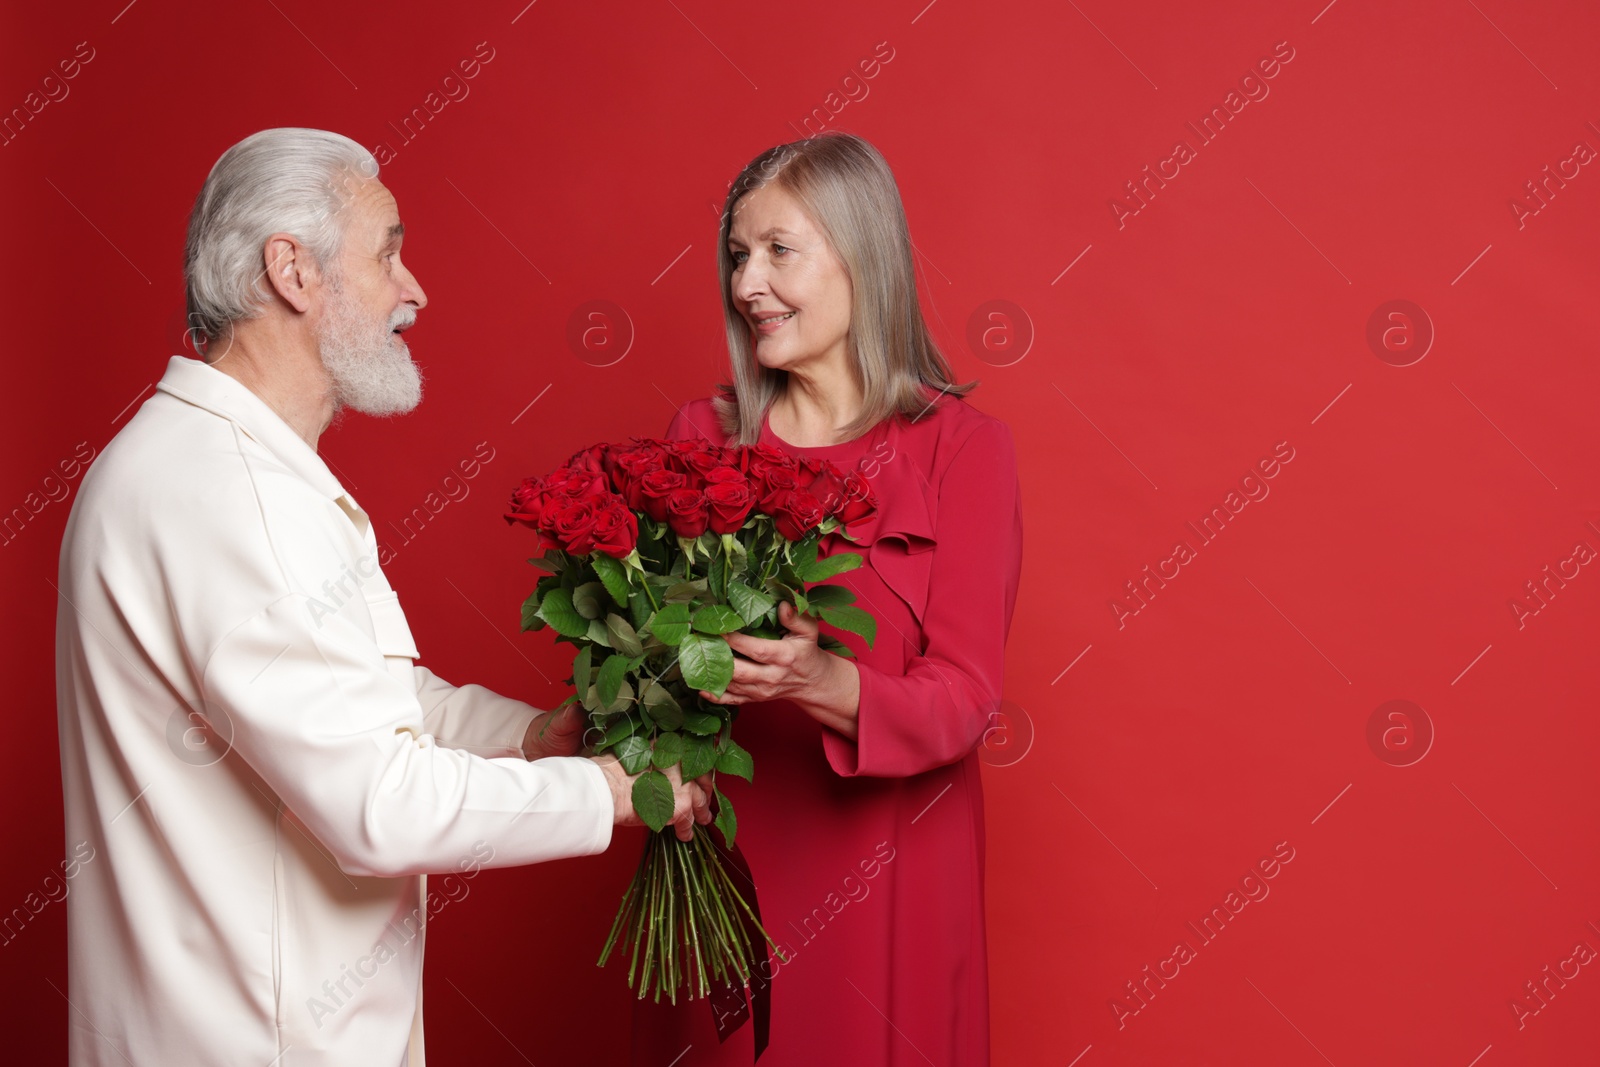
(855, 444)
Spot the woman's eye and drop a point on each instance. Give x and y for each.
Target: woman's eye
(740, 257)
(779, 250)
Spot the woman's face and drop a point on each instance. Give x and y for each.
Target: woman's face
(787, 282)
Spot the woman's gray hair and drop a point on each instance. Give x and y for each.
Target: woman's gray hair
(846, 188)
(287, 180)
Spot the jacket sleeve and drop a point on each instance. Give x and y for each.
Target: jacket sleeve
(312, 706)
(939, 709)
(472, 717)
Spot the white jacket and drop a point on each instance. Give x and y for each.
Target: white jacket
(256, 769)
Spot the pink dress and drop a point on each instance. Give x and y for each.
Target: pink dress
(869, 854)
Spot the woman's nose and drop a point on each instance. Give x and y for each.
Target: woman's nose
(750, 283)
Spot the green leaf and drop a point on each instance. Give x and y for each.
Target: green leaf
(853, 619)
(731, 759)
(639, 607)
(530, 614)
(749, 603)
(623, 727)
(671, 624)
(828, 566)
(701, 722)
(588, 600)
(557, 610)
(610, 680)
(652, 799)
(581, 668)
(707, 663)
(699, 756)
(726, 821)
(803, 553)
(623, 637)
(598, 633)
(624, 698)
(668, 750)
(683, 592)
(717, 619)
(547, 563)
(830, 643)
(663, 707)
(612, 574)
(633, 753)
(829, 596)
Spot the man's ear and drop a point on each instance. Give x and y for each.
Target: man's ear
(291, 270)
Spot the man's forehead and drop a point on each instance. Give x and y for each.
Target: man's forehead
(377, 209)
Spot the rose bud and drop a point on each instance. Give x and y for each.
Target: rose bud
(527, 502)
(654, 489)
(730, 504)
(616, 531)
(573, 525)
(795, 512)
(686, 512)
(858, 501)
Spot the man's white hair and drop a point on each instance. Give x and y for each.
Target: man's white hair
(289, 180)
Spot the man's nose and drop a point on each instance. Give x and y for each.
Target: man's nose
(411, 292)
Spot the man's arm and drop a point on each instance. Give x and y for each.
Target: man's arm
(479, 720)
(314, 709)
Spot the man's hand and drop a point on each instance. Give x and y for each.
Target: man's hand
(690, 804)
(554, 733)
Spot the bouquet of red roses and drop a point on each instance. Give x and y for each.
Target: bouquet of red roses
(655, 549)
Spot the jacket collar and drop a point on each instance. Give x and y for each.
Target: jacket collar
(205, 387)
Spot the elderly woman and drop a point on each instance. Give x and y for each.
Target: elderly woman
(864, 831)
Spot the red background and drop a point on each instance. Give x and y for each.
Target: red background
(1229, 314)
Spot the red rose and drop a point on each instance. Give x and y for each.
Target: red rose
(616, 531)
(857, 500)
(702, 461)
(765, 455)
(631, 467)
(573, 525)
(654, 488)
(678, 451)
(795, 511)
(725, 474)
(825, 481)
(730, 503)
(578, 484)
(527, 502)
(775, 480)
(590, 459)
(686, 512)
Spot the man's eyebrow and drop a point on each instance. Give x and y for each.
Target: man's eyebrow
(395, 232)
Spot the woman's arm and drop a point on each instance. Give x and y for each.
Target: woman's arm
(897, 725)
(938, 710)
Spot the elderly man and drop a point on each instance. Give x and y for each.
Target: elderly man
(263, 774)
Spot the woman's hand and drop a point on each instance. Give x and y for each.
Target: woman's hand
(795, 668)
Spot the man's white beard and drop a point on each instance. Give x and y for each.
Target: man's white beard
(370, 365)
